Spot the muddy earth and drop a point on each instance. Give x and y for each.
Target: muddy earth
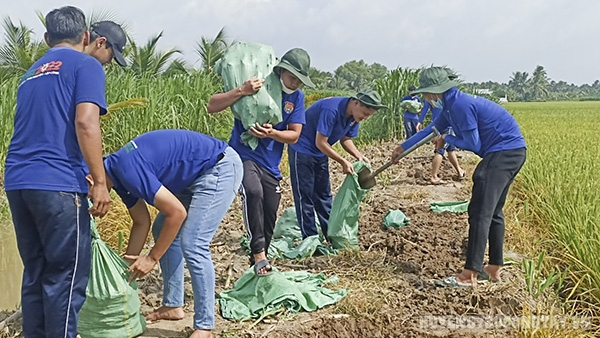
(390, 281)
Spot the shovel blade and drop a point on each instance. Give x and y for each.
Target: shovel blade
(365, 179)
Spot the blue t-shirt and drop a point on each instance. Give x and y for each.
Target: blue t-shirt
(328, 117)
(268, 152)
(44, 153)
(494, 127)
(170, 158)
(408, 115)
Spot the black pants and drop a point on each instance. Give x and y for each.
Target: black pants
(260, 200)
(491, 180)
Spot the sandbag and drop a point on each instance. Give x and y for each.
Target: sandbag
(342, 231)
(242, 61)
(411, 106)
(112, 306)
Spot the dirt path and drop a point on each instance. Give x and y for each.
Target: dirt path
(390, 282)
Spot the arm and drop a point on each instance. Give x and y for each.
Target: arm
(289, 136)
(221, 101)
(140, 228)
(469, 141)
(351, 149)
(175, 214)
(327, 149)
(89, 137)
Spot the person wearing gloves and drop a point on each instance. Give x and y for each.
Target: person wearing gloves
(490, 131)
(328, 121)
(261, 191)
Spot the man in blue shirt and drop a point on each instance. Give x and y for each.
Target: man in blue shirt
(56, 140)
(490, 131)
(438, 154)
(328, 121)
(411, 119)
(191, 178)
(261, 192)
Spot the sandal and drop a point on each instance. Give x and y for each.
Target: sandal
(485, 277)
(262, 264)
(451, 282)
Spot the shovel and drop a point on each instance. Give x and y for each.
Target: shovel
(366, 179)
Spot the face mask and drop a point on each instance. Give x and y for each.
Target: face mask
(286, 89)
(437, 103)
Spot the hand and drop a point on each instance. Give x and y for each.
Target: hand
(364, 159)
(98, 193)
(140, 267)
(419, 126)
(399, 150)
(266, 130)
(347, 167)
(251, 86)
(439, 141)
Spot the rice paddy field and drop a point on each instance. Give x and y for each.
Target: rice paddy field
(554, 208)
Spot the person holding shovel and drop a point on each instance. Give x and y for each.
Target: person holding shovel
(328, 121)
(261, 192)
(490, 131)
(192, 179)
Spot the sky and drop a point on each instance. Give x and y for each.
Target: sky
(483, 40)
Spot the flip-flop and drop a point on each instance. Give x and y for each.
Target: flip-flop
(451, 282)
(485, 277)
(261, 264)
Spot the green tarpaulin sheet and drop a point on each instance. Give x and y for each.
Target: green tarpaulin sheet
(342, 230)
(457, 206)
(294, 291)
(242, 61)
(395, 219)
(112, 306)
(287, 240)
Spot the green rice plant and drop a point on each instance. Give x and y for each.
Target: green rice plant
(535, 282)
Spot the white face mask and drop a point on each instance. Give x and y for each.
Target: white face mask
(286, 89)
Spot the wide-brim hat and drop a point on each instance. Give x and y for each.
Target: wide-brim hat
(435, 80)
(115, 36)
(370, 98)
(297, 62)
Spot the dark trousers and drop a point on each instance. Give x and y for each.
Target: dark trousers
(54, 240)
(491, 180)
(410, 127)
(260, 199)
(312, 191)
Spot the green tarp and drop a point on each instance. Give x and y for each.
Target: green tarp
(395, 219)
(287, 240)
(294, 291)
(342, 231)
(457, 206)
(242, 61)
(112, 307)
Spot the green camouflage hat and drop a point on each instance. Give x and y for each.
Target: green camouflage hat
(435, 80)
(369, 98)
(297, 62)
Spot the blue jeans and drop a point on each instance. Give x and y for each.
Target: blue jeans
(309, 177)
(54, 240)
(410, 127)
(207, 200)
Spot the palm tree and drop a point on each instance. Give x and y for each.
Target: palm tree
(20, 50)
(518, 82)
(211, 50)
(147, 60)
(539, 84)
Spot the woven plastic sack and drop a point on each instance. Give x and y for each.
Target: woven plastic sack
(411, 106)
(112, 306)
(242, 61)
(342, 230)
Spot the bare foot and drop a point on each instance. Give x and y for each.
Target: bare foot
(201, 334)
(167, 313)
(493, 271)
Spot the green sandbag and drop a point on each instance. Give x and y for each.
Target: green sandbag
(458, 206)
(395, 219)
(411, 106)
(287, 225)
(112, 306)
(342, 231)
(242, 61)
(253, 296)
